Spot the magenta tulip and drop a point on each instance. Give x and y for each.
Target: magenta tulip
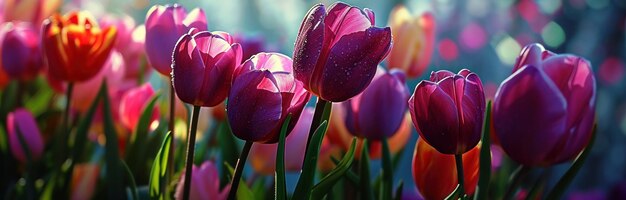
(22, 124)
(130, 43)
(164, 26)
(337, 52)
(264, 92)
(203, 66)
(134, 103)
(21, 53)
(544, 112)
(378, 112)
(448, 110)
(205, 183)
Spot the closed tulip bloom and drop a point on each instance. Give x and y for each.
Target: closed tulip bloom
(414, 38)
(164, 26)
(263, 94)
(130, 42)
(205, 183)
(378, 112)
(203, 66)
(336, 52)
(544, 112)
(133, 104)
(22, 124)
(20, 52)
(448, 110)
(435, 175)
(75, 47)
(263, 156)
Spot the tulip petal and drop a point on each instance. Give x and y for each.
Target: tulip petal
(530, 55)
(386, 104)
(343, 19)
(352, 63)
(187, 67)
(195, 19)
(308, 46)
(440, 75)
(529, 106)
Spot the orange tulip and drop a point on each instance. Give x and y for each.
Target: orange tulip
(435, 173)
(75, 47)
(414, 38)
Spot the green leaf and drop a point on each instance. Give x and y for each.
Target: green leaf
(244, 192)
(455, 193)
(482, 191)
(567, 178)
(387, 174)
(136, 154)
(40, 101)
(131, 178)
(324, 186)
(364, 171)
(305, 182)
(158, 182)
(350, 175)
(281, 188)
(229, 149)
(399, 190)
(115, 188)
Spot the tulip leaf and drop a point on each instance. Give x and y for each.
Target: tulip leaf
(387, 174)
(136, 153)
(364, 171)
(131, 178)
(115, 188)
(350, 175)
(482, 191)
(229, 149)
(158, 183)
(40, 102)
(567, 178)
(281, 188)
(243, 192)
(399, 190)
(305, 182)
(455, 193)
(326, 184)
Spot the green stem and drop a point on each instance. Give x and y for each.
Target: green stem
(317, 118)
(515, 180)
(170, 159)
(387, 177)
(364, 170)
(239, 170)
(191, 143)
(459, 172)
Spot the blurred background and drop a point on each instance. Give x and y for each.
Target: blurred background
(484, 36)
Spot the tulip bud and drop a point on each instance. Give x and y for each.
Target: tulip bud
(448, 110)
(435, 175)
(164, 26)
(75, 47)
(22, 122)
(544, 112)
(336, 52)
(414, 38)
(378, 112)
(264, 92)
(133, 104)
(21, 55)
(205, 183)
(203, 66)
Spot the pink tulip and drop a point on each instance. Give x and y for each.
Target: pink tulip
(22, 122)
(130, 43)
(205, 183)
(85, 92)
(133, 104)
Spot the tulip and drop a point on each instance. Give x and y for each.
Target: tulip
(87, 91)
(251, 45)
(205, 183)
(414, 41)
(544, 112)
(75, 47)
(264, 92)
(4, 79)
(130, 42)
(435, 174)
(203, 66)
(337, 52)
(84, 180)
(378, 112)
(21, 125)
(133, 104)
(21, 55)
(263, 156)
(448, 110)
(33, 11)
(164, 26)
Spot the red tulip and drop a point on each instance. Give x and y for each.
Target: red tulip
(336, 52)
(448, 110)
(22, 124)
(75, 47)
(544, 112)
(85, 92)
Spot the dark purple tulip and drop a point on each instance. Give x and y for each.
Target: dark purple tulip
(544, 112)
(264, 92)
(202, 67)
(337, 52)
(448, 110)
(164, 25)
(21, 123)
(21, 53)
(378, 112)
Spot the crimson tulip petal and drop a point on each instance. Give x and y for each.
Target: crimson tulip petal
(309, 44)
(440, 75)
(343, 19)
(352, 63)
(518, 125)
(370, 14)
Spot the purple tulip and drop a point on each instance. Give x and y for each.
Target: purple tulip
(202, 67)
(264, 92)
(544, 112)
(378, 112)
(22, 122)
(337, 52)
(448, 110)
(164, 26)
(21, 53)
